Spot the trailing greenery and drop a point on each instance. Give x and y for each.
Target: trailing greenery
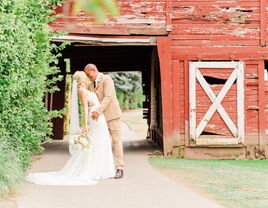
(128, 89)
(27, 71)
(27, 59)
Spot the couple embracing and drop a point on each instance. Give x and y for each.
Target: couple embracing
(101, 123)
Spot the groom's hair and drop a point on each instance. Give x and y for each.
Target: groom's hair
(91, 67)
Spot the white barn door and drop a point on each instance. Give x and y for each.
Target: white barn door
(214, 102)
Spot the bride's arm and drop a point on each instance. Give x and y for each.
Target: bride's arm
(83, 97)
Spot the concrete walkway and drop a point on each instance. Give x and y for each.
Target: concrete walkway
(142, 186)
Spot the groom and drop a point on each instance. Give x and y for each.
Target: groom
(103, 86)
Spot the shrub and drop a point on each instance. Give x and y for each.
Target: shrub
(27, 59)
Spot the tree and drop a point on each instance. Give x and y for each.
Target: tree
(129, 89)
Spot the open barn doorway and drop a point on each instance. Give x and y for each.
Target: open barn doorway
(142, 59)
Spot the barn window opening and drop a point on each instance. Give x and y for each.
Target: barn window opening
(215, 80)
(210, 133)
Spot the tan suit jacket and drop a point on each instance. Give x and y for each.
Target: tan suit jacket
(105, 91)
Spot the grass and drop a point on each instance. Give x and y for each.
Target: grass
(11, 173)
(234, 183)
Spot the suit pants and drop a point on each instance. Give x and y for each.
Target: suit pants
(114, 127)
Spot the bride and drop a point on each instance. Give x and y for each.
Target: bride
(86, 165)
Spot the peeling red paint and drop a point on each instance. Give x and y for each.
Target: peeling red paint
(195, 30)
(136, 17)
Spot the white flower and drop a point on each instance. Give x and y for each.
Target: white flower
(82, 141)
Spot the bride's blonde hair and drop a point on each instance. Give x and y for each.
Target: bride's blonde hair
(80, 77)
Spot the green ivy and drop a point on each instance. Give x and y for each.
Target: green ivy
(27, 59)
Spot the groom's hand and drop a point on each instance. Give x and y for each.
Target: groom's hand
(90, 104)
(95, 115)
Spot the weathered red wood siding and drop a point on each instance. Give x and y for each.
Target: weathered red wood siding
(266, 111)
(137, 17)
(216, 124)
(194, 30)
(216, 23)
(221, 31)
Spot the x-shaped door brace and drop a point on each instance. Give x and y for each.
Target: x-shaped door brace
(237, 74)
(216, 103)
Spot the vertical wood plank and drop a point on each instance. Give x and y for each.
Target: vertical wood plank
(164, 53)
(168, 15)
(51, 102)
(192, 94)
(176, 102)
(57, 103)
(152, 109)
(261, 105)
(263, 22)
(240, 102)
(186, 100)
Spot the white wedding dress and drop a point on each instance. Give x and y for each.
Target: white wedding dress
(87, 166)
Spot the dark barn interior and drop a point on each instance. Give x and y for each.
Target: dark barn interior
(115, 59)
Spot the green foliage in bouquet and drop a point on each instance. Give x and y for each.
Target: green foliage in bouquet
(27, 72)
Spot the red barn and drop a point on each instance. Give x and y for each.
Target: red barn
(203, 64)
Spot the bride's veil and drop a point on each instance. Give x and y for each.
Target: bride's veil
(74, 116)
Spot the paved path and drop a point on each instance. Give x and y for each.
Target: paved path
(141, 187)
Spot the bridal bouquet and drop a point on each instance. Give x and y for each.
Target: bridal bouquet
(79, 142)
(83, 140)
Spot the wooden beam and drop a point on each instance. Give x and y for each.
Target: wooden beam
(192, 94)
(186, 101)
(102, 41)
(261, 98)
(241, 102)
(51, 102)
(216, 53)
(263, 23)
(164, 53)
(168, 15)
(107, 30)
(176, 101)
